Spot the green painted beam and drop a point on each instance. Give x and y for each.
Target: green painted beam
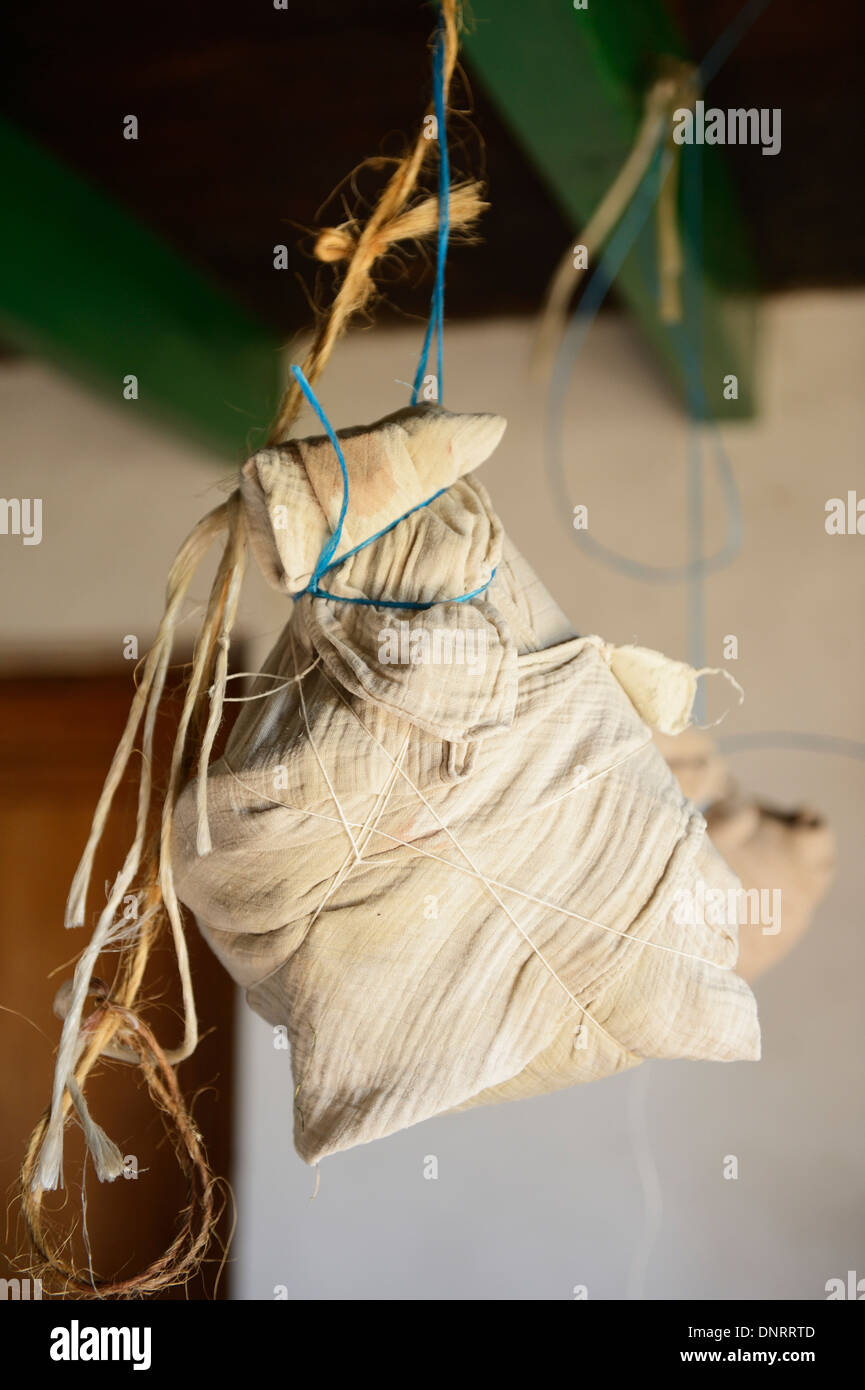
(86, 286)
(570, 83)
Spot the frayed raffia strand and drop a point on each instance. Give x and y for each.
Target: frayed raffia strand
(231, 573)
(394, 219)
(47, 1172)
(391, 221)
(146, 699)
(187, 1251)
(107, 1158)
(672, 89)
(267, 676)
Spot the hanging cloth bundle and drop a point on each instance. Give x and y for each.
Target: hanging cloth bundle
(444, 852)
(440, 849)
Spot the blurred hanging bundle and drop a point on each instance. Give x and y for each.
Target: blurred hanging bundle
(451, 881)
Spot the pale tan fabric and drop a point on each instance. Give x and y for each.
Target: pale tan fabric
(293, 494)
(356, 814)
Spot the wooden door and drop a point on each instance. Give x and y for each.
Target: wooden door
(57, 737)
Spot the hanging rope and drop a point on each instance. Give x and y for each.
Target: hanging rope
(437, 309)
(674, 88)
(399, 216)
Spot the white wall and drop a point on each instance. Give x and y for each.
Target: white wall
(532, 1199)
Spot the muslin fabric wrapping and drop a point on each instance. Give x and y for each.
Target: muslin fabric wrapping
(446, 851)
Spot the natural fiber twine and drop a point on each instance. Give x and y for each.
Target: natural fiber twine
(205, 1204)
(395, 218)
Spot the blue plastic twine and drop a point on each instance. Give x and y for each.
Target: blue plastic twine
(437, 306)
(326, 559)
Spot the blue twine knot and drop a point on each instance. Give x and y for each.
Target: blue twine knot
(435, 325)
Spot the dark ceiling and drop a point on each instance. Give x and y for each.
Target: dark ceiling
(251, 116)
